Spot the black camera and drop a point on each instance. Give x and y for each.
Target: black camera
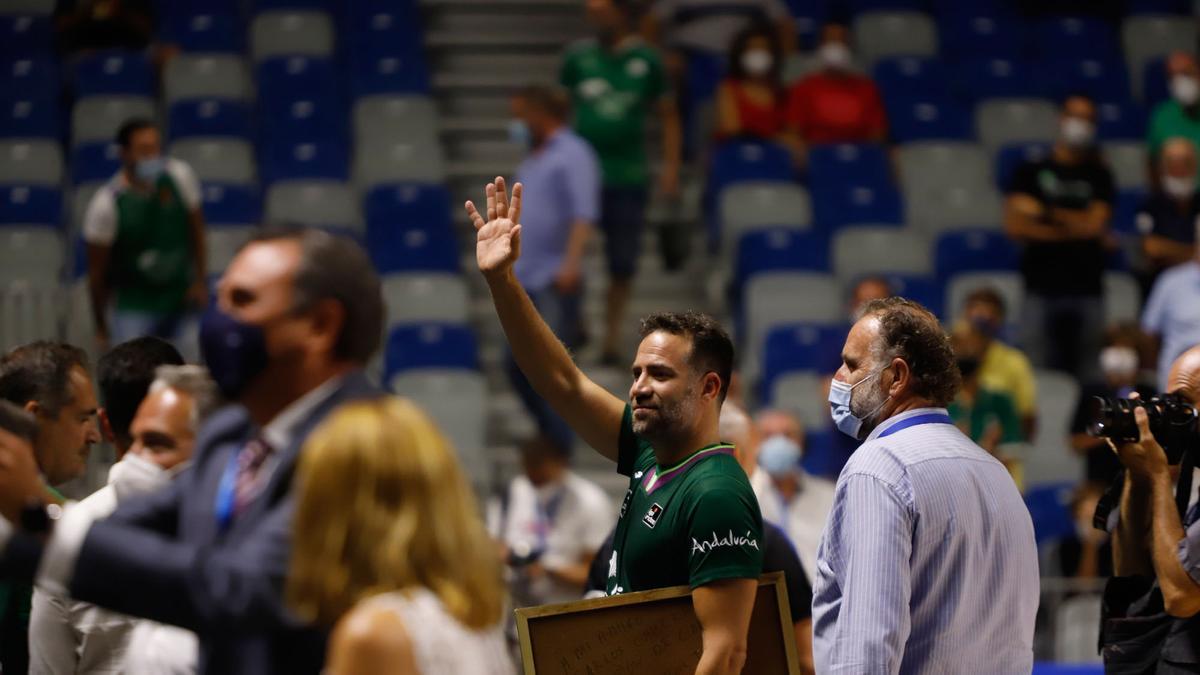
(1173, 421)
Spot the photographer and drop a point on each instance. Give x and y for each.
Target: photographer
(1152, 603)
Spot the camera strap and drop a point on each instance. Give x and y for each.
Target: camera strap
(1183, 489)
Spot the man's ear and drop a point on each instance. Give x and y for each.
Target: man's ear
(329, 319)
(106, 429)
(901, 374)
(32, 408)
(712, 385)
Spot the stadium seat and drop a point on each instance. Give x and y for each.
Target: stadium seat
(113, 73)
(399, 162)
(1120, 120)
(801, 347)
(291, 33)
(371, 24)
(1128, 161)
(1103, 79)
(218, 160)
(1155, 86)
(394, 118)
(924, 289)
(22, 34)
(97, 118)
(430, 345)
(880, 35)
(911, 76)
(33, 76)
(30, 205)
(1003, 121)
(1125, 211)
(302, 120)
(231, 204)
(863, 251)
(939, 209)
(856, 202)
(1077, 632)
(779, 249)
(314, 203)
(291, 78)
(30, 7)
(81, 198)
(207, 32)
(995, 77)
(770, 299)
(741, 161)
(95, 161)
(940, 164)
(456, 400)
(425, 297)
(1073, 37)
(384, 70)
(1008, 284)
(29, 312)
(1122, 298)
(1049, 507)
(804, 393)
(210, 117)
(973, 251)
(409, 228)
(1149, 37)
(977, 33)
(29, 117)
(747, 206)
(924, 118)
(31, 161)
(223, 242)
(222, 76)
(30, 254)
(838, 164)
(322, 160)
(1013, 155)
(1050, 460)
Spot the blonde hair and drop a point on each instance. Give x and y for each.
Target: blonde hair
(384, 506)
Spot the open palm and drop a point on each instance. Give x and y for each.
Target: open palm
(498, 238)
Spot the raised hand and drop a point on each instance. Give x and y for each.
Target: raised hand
(497, 239)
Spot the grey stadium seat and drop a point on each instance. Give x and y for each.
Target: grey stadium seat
(940, 164)
(1128, 162)
(81, 197)
(97, 118)
(860, 251)
(425, 297)
(33, 254)
(28, 6)
(457, 401)
(288, 33)
(776, 298)
(398, 162)
(206, 76)
(940, 209)
(1122, 298)
(804, 393)
(1050, 460)
(30, 161)
(223, 242)
(1148, 37)
(879, 35)
(1001, 121)
(382, 119)
(29, 312)
(1008, 284)
(316, 203)
(751, 205)
(217, 160)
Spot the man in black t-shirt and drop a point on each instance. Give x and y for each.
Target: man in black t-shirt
(1059, 209)
(1169, 216)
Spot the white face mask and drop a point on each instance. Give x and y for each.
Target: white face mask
(1119, 361)
(834, 55)
(757, 62)
(1185, 89)
(1077, 133)
(136, 475)
(1179, 187)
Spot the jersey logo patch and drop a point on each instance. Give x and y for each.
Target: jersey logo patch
(651, 517)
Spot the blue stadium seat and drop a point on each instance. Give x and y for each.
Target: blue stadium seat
(29, 117)
(294, 161)
(113, 72)
(210, 117)
(25, 35)
(232, 204)
(1050, 510)
(302, 120)
(290, 78)
(268, 5)
(973, 251)
(826, 452)
(857, 202)
(30, 205)
(207, 32)
(855, 7)
(370, 25)
(1124, 219)
(925, 290)
(980, 79)
(32, 76)
(1104, 79)
(923, 118)
(430, 345)
(171, 8)
(94, 161)
(911, 76)
(704, 73)
(1013, 155)
(970, 32)
(1120, 120)
(1048, 668)
(1074, 37)
(1155, 83)
(779, 248)
(841, 163)
(388, 70)
(409, 204)
(801, 346)
(409, 229)
(743, 161)
(808, 16)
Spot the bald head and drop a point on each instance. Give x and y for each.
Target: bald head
(1184, 378)
(1182, 63)
(735, 427)
(1178, 158)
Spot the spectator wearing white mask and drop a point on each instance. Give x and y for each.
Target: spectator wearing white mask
(1168, 218)
(750, 99)
(68, 637)
(1180, 115)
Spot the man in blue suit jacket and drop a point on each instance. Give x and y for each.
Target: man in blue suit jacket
(299, 314)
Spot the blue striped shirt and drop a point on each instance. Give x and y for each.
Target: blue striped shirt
(928, 562)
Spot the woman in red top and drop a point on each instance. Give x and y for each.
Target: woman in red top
(750, 101)
(836, 105)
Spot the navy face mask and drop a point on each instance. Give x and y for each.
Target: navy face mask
(234, 352)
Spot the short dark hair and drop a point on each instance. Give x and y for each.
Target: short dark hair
(742, 39)
(124, 375)
(712, 350)
(335, 267)
(551, 100)
(40, 371)
(988, 296)
(15, 420)
(910, 332)
(131, 127)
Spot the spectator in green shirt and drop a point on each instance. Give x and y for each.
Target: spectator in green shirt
(616, 81)
(987, 416)
(1179, 116)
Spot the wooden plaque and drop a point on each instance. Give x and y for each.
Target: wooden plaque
(649, 632)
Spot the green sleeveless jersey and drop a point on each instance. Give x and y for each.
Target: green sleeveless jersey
(151, 255)
(689, 524)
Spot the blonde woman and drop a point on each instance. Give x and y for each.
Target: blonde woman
(390, 550)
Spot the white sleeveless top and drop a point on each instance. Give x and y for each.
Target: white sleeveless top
(442, 645)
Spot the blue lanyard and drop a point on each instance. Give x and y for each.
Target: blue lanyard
(927, 418)
(227, 493)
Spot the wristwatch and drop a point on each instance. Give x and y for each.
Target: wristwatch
(39, 518)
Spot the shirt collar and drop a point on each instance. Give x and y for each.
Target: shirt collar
(279, 431)
(893, 420)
